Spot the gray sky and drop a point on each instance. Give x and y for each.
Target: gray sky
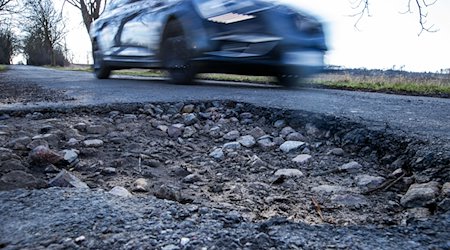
(385, 40)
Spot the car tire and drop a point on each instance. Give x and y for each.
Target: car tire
(101, 71)
(176, 56)
(289, 81)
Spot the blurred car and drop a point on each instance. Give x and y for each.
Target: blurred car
(186, 37)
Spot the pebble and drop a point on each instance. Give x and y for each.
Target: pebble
(141, 185)
(189, 132)
(257, 132)
(368, 181)
(109, 171)
(351, 167)
(190, 119)
(329, 189)
(291, 145)
(302, 158)
(231, 146)
(349, 200)
(120, 191)
(295, 137)
(247, 141)
(96, 129)
(71, 156)
(175, 130)
(217, 154)
(192, 178)
(279, 123)
(232, 135)
(188, 108)
(286, 131)
(289, 172)
(66, 179)
(94, 143)
(336, 151)
(266, 144)
(420, 195)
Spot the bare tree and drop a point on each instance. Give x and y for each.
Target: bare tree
(362, 7)
(90, 10)
(44, 27)
(6, 5)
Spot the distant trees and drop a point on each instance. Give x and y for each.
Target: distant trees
(90, 10)
(8, 45)
(44, 30)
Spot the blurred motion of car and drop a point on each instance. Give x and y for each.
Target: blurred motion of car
(186, 37)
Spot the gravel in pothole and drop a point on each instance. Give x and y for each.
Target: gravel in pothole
(222, 155)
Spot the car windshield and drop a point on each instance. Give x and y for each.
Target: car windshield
(211, 8)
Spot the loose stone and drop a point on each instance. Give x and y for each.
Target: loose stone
(247, 141)
(291, 145)
(95, 143)
(302, 158)
(66, 179)
(121, 192)
(420, 195)
(289, 172)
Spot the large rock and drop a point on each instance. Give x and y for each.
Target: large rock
(43, 155)
(20, 179)
(291, 145)
(66, 179)
(420, 195)
(247, 141)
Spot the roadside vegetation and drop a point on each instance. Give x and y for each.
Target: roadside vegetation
(385, 81)
(2, 67)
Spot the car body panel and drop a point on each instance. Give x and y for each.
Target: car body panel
(230, 33)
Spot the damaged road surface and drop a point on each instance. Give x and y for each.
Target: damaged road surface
(139, 164)
(216, 175)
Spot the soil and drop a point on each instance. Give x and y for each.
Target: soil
(172, 151)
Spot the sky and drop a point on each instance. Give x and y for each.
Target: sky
(385, 40)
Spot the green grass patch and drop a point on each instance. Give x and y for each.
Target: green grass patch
(3, 67)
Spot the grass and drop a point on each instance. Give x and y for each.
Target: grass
(402, 83)
(3, 67)
(399, 82)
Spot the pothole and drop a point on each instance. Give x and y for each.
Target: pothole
(261, 162)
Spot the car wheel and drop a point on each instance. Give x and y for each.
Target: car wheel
(175, 55)
(288, 80)
(101, 71)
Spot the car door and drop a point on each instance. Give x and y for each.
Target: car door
(139, 34)
(108, 27)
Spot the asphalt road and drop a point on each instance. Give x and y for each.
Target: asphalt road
(421, 116)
